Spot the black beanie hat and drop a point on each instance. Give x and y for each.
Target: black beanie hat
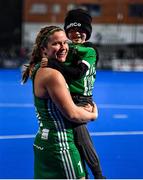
(78, 18)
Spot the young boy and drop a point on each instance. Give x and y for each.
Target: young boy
(79, 71)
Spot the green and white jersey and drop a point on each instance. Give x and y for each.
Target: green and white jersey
(55, 153)
(53, 123)
(87, 55)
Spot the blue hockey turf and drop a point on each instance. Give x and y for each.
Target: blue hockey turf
(117, 134)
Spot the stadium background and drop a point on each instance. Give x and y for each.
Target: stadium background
(118, 36)
(117, 29)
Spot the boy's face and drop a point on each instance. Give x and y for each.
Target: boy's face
(76, 35)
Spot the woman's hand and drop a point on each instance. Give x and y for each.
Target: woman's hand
(88, 107)
(91, 108)
(95, 110)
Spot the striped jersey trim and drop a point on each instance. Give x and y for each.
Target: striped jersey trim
(62, 136)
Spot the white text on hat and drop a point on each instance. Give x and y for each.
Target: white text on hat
(75, 24)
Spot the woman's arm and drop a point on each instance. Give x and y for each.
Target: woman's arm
(55, 84)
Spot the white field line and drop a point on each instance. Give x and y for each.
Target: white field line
(103, 106)
(123, 133)
(116, 133)
(120, 106)
(114, 106)
(16, 105)
(23, 136)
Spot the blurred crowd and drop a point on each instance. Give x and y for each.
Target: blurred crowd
(110, 57)
(13, 57)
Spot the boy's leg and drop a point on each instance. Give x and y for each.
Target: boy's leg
(87, 151)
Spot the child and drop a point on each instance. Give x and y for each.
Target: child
(79, 71)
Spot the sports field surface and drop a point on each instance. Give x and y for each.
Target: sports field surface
(117, 134)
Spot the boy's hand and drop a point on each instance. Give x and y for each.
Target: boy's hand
(44, 62)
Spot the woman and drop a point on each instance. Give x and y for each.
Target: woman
(79, 70)
(55, 154)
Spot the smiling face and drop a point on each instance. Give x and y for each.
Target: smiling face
(57, 46)
(76, 35)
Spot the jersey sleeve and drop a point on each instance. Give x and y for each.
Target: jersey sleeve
(90, 44)
(88, 55)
